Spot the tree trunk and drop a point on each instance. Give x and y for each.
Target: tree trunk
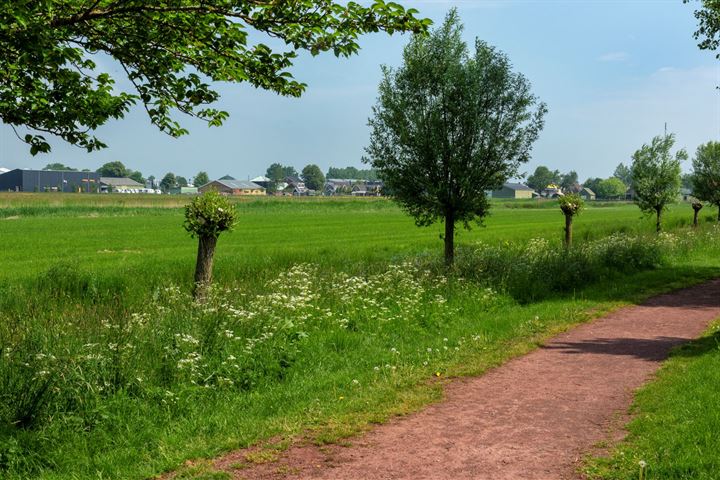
(568, 230)
(203, 267)
(449, 238)
(718, 213)
(658, 222)
(695, 217)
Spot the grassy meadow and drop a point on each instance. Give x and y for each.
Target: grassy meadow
(328, 315)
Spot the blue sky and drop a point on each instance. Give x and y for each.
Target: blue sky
(611, 72)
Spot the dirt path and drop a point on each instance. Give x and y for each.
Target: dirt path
(533, 418)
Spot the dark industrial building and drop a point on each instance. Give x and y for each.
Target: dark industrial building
(49, 181)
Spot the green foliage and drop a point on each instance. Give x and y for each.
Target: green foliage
(200, 179)
(352, 173)
(706, 173)
(167, 50)
(137, 176)
(209, 214)
(113, 169)
(708, 32)
(542, 177)
(568, 180)
(571, 204)
(449, 125)
(611, 188)
(181, 181)
(59, 166)
(592, 184)
(313, 177)
(168, 181)
(656, 174)
(623, 173)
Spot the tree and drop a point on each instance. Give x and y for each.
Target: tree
(201, 179)
(568, 180)
(611, 188)
(543, 177)
(708, 31)
(168, 182)
(60, 167)
(449, 125)
(696, 206)
(593, 184)
(686, 180)
(276, 174)
(352, 173)
(51, 82)
(206, 217)
(706, 174)
(227, 177)
(181, 181)
(656, 176)
(313, 177)
(151, 179)
(624, 174)
(571, 205)
(289, 171)
(137, 176)
(113, 169)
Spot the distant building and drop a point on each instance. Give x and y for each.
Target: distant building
(586, 194)
(184, 191)
(49, 181)
(263, 181)
(513, 190)
(120, 184)
(4, 170)
(233, 187)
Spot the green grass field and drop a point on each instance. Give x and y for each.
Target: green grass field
(330, 314)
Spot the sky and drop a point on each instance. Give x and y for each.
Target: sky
(611, 72)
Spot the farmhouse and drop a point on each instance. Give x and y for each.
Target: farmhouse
(587, 194)
(119, 184)
(233, 187)
(49, 181)
(513, 190)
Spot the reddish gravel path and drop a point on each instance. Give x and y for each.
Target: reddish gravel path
(532, 418)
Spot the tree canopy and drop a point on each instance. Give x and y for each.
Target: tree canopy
(168, 50)
(200, 179)
(59, 166)
(113, 169)
(656, 175)
(611, 188)
(352, 173)
(623, 173)
(168, 182)
(542, 177)
(708, 32)
(450, 124)
(706, 174)
(313, 177)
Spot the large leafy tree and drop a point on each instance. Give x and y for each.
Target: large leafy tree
(50, 80)
(201, 179)
(623, 173)
(542, 177)
(611, 188)
(656, 176)
(113, 169)
(59, 166)
(706, 174)
(569, 181)
(450, 124)
(313, 177)
(168, 181)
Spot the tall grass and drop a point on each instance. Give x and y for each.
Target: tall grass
(93, 373)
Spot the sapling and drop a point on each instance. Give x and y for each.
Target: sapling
(570, 204)
(206, 216)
